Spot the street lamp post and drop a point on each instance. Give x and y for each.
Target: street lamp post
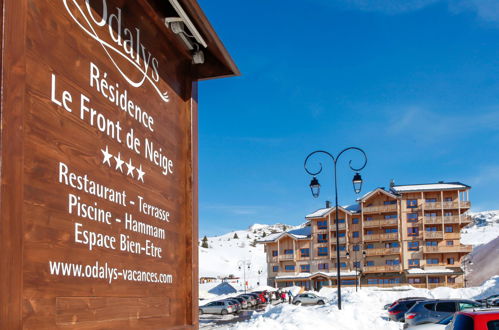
(242, 264)
(315, 189)
(356, 264)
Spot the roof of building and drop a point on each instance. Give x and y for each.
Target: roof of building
(353, 208)
(432, 270)
(372, 192)
(310, 275)
(300, 233)
(429, 186)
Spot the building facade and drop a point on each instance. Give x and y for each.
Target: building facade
(408, 234)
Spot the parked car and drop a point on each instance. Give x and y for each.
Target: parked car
(236, 304)
(243, 302)
(397, 311)
(217, 307)
(440, 325)
(432, 311)
(477, 319)
(387, 306)
(249, 299)
(490, 300)
(257, 297)
(309, 299)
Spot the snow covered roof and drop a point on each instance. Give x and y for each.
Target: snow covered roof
(310, 275)
(429, 186)
(433, 270)
(372, 192)
(300, 233)
(323, 212)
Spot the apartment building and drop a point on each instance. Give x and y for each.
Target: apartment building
(408, 234)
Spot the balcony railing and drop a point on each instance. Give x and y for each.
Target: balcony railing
(382, 251)
(341, 226)
(342, 240)
(371, 223)
(447, 249)
(381, 269)
(286, 257)
(451, 218)
(432, 206)
(466, 219)
(452, 235)
(380, 208)
(433, 234)
(465, 204)
(433, 220)
(389, 222)
(321, 231)
(390, 236)
(371, 238)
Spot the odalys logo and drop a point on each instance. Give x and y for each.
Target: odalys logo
(126, 41)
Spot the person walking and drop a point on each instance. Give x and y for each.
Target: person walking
(283, 297)
(290, 297)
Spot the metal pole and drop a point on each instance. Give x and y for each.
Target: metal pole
(338, 264)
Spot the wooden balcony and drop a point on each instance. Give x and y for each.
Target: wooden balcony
(371, 238)
(389, 222)
(465, 204)
(382, 251)
(435, 285)
(447, 249)
(321, 231)
(418, 285)
(433, 234)
(380, 208)
(371, 224)
(343, 254)
(273, 259)
(466, 219)
(381, 269)
(284, 257)
(433, 206)
(451, 219)
(452, 235)
(432, 220)
(342, 240)
(389, 237)
(341, 226)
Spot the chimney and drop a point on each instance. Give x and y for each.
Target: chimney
(328, 204)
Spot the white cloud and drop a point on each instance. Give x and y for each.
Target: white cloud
(488, 10)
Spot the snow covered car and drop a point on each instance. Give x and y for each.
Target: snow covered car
(309, 299)
(217, 307)
(433, 326)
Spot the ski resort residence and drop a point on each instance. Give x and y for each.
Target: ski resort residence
(409, 234)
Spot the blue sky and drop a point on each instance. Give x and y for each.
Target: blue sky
(413, 83)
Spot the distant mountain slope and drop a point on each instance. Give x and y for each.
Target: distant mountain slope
(224, 253)
(485, 228)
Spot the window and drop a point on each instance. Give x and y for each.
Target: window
(392, 245)
(370, 246)
(275, 269)
(448, 214)
(370, 263)
(356, 248)
(305, 268)
(370, 232)
(413, 231)
(355, 221)
(322, 224)
(413, 246)
(288, 251)
(323, 266)
(341, 220)
(449, 243)
(431, 200)
(465, 305)
(431, 243)
(430, 307)
(322, 251)
(389, 202)
(432, 262)
(412, 217)
(369, 218)
(289, 268)
(305, 252)
(451, 280)
(430, 214)
(275, 253)
(448, 199)
(356, 264)
(342, 265)
(372, 281)
(347, 282)
(431, 228)
(447, 307)
(412, 203)
(322, 238)
(492, 325)
(392, 262)
(414, 280)
(355, 234)
(413, 263)
(342, 247)
(449, 229)
(450, 261)
(464, 322)
(341, 234)
(390, 216)
(391, 230)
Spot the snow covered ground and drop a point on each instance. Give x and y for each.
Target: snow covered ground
(361, 310)
(484, 229)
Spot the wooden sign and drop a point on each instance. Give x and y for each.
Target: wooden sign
(99, 164)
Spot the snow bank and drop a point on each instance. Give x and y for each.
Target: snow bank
(361, 310)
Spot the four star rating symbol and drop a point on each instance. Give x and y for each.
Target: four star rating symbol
(119, 162)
